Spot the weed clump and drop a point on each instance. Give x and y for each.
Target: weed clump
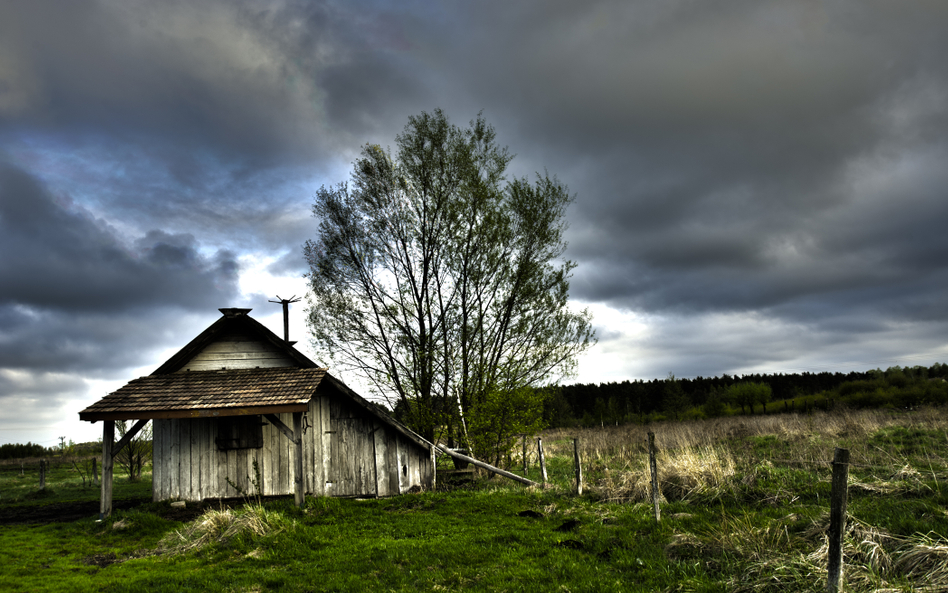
(875, 560)
(221, 526)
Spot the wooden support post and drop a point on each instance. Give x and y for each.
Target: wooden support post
(42, 474)
(653, 467)
(434, 469)
(298, 458)
(105, 501)
(579, 467)
(275, 421)
(526, 468)
(542, 459)
(129, 435)
(838, 498)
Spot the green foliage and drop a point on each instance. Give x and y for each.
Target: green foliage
(676, 403)
(439, 283)
(749, 394)
(496, 421)
(714, 406)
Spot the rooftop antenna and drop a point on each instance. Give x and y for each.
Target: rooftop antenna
(286, 315)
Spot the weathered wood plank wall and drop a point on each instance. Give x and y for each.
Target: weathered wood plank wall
(346, 452)
(238, 351)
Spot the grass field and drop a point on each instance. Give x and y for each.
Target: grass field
(19, 483)
(745, 509)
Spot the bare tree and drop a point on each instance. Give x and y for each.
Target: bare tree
(137, 453)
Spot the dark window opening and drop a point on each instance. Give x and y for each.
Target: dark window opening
(239, 432)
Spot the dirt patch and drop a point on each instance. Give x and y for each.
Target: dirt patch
(191, 512)
(100, 560)
(62, 512)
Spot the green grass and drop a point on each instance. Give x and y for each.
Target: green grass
(745, 509)
(63, 484)
(434, 541)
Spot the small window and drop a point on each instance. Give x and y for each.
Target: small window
(239, 432)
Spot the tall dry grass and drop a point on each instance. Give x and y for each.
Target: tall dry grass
(710, 457)
(874, 559)
(623, 441)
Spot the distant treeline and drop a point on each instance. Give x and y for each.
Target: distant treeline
(19, 450)
(594, 404)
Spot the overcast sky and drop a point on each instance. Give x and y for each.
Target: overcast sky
(760, 186)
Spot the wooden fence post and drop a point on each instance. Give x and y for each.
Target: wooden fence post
(579, 467)
(526, 467)
(838, 497)
(653, 467)
(108, 439)
(42, 474)
(542, 460)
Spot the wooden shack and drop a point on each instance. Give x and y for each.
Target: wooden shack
(239, 411)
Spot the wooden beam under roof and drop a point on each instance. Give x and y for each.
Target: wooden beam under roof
(199, 413)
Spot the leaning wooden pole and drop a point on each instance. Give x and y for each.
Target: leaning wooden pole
(488, 467)
(838, 498)
(541, 459)
(105, 501)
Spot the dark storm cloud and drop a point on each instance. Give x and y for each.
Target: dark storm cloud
(62, 258)
(70, 288)
(739, 156)
(211, 117)
(271, 82)
(756, 181)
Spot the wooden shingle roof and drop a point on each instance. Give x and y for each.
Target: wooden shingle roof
(210, 393)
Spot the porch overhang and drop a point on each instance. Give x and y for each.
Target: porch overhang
(192, 413)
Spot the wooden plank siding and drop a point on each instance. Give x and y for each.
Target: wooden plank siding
(346, 452)
(238, 351)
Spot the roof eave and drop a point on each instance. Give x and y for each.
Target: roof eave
(193, 413)
(387, 419)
